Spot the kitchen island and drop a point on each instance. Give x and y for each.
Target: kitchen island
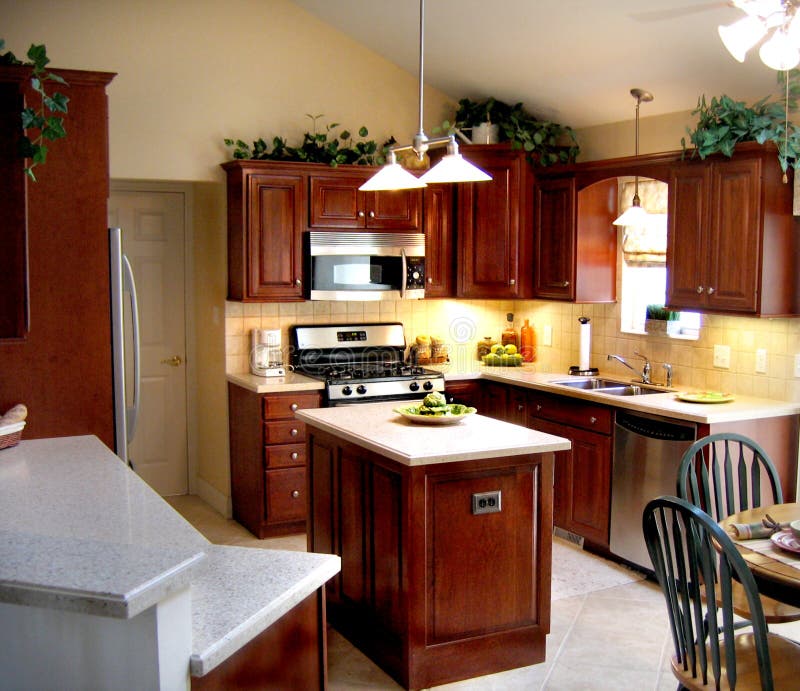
(104, 586)
(445, 536)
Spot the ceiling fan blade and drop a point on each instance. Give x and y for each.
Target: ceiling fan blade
(677, 12)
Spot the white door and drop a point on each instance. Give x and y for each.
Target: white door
(153, 238)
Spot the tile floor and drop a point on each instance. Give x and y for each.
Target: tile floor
(614, 639)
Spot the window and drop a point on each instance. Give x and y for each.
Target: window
(644, 254)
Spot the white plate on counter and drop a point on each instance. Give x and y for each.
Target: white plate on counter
(410, 413)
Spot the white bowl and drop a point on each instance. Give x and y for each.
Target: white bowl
(794, 526)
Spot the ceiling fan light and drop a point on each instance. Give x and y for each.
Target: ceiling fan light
(634, 215)
(455, 168)
(779, 53)
(392, 176)
(742, 35)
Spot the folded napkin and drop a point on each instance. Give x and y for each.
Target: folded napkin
(752, 531)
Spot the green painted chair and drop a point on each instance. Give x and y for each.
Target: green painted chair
(727, 473)
(687, 548)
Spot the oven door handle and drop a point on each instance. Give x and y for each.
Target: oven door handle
(403, 273)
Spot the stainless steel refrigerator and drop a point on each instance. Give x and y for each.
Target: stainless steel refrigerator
(125, 345)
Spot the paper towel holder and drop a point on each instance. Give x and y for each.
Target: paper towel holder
(582, 369)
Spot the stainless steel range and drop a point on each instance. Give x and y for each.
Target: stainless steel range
(360, 363)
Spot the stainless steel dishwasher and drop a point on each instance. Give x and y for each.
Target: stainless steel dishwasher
(647, 452)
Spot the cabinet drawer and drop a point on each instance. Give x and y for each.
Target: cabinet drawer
(284, 432)
(570, 411)
(286, 495)
(278, 407)
(285, 456)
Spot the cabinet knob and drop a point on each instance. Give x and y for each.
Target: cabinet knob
(538, 407)
(710, 290)
(520, 407)
(430, 279)
(294, 407)
(296, 493)
(512, 282)
(564, 284)
(372, 214)
(293, 432)
(294, 455)
(593, 419)
(298, 282)
(361, 214)
(699, 289)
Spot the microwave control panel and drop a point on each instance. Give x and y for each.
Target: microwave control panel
(415, 273)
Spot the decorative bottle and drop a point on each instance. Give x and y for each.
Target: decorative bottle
(527, 339)
(509, 336)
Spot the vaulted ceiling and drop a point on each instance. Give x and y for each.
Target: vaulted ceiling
(571, 61)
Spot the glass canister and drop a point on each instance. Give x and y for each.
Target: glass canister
(485, 346)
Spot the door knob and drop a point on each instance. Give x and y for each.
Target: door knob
(173, 361)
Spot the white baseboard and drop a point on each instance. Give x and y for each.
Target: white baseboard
(211, 495)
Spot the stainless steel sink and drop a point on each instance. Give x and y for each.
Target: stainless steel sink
(609, 386)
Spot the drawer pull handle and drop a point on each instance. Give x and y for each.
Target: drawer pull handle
(293, 432)
(294, 407)
(296, 493)
(295, 455)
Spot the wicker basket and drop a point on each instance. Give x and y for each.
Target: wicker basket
(10, 434)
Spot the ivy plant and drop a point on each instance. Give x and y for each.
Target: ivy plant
(723, 123)
(545, 142)
(44, 122)
(323, 146)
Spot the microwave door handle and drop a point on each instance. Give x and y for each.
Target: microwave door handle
(404, 273)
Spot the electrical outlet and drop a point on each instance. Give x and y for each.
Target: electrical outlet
(486, 502)
(761, 361)
(548, 335)
(722, 356)
(797, 365)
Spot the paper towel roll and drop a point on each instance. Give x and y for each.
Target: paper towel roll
(585, 344)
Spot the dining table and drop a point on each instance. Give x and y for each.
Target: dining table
(776, 568)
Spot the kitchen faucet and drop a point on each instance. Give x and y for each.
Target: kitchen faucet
(645, 375)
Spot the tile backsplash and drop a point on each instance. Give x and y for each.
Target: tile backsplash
(462, 323)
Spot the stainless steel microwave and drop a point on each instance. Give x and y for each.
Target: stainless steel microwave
(366, 266)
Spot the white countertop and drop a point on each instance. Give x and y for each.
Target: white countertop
(290, 382)
(82, 532)
(377, 427)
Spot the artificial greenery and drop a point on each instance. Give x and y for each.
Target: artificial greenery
(661, 313)
(317, 147)
(39, 127)
(723, 123)
(545, 142)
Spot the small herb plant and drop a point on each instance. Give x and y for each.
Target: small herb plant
(661, 313)
(723, 123)
(44, 123)
(545, 142)
(317, 147)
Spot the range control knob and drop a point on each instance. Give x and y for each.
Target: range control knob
(347, 390)
(415, 275)
(361, 389)
(428, 385)
(414, 386)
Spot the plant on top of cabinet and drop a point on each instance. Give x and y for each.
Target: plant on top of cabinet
(545, 142)
(317, 147)
(36, 120)
(723, 123)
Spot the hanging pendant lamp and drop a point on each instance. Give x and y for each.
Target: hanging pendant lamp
(635, 215)
(452, 168)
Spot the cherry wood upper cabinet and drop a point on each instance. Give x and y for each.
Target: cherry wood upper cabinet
(437, 224)
(337, 203)
(266, 206)
(494, 225)
(732, 244)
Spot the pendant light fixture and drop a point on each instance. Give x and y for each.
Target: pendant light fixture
(452, 168)
(636, 215)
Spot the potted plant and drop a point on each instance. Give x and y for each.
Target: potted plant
(657, 318)
(723, 123)
(545, 142)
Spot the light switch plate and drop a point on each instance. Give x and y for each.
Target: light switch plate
(761, 361)
(722, 356)
(548, 335)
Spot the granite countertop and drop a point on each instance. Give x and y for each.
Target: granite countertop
(377, 427)
(84, 533)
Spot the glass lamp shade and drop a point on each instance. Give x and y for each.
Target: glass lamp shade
(455, 168)
(392, 176)
(780, 52)
(633, 216)
(742, 35)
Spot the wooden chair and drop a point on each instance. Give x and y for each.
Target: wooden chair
(687, 548)
(727, 473)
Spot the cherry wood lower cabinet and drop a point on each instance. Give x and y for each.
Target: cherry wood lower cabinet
(268, 460)
(430, 591)
(290, 654)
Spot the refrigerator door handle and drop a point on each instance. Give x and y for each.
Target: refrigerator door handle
(132, 412)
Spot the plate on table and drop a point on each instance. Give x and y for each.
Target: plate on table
(452, 414)
(705, 397)
(786, 540)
